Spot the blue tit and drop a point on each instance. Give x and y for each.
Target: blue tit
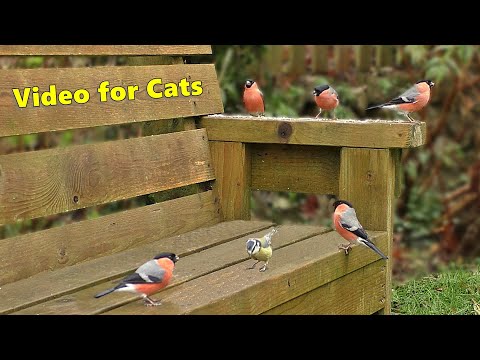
(261, 249)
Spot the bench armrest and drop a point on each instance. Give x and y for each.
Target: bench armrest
(378, 134)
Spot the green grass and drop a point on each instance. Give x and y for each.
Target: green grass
(454, 291)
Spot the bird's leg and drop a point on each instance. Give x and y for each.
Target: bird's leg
(345, 248)
(264, 267)
(316, 117)
(410, 118)
(334, 116)
(150, 302)
(253, 266)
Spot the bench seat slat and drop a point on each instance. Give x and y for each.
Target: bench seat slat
(52, 284)
(215, 258)
(357, 293)
(69, 244)
(294, 270)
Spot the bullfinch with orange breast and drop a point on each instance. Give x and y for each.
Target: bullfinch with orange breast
(412, 100)
(347, 225)
(149, 278)
(326, 98)
(253, 99)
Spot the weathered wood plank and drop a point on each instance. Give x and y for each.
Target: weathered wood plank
(63, 179)
(363, 57)
(52, 284)
(385, 55)
(91, 50)
(232, 164)
(342, 59)
(310, 131)
(85, 240)
(297, 65)
(320, 59)
(187, 269)
(293, 270)
(166, 126)
(295, 168)
(358, 293)
(137, 105)
(273, 59)
(367, 180)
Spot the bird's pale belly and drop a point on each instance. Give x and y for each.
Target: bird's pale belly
(264, 254)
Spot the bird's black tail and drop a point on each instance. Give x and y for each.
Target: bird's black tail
(374, 248)
(106, 292)
(375, 107)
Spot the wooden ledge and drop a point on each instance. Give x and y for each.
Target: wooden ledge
(92, 50)
(379, 134)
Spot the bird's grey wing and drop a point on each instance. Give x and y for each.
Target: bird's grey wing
(139, 278)
(333, 91)
(407, 97)
(349, 221)
(151, 271)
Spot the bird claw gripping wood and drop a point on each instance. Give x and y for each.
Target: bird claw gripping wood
(345, 248)
(150, 302)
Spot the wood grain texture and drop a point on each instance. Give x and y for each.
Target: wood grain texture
(37, 50)
(385, 55)
(166, 126)
(320, 59)
(17, 121)
(85, 240)
(295, 168)
(367, 180)
(358, 293)
(187, 268)
(297, 65)
(232, 164)
(45, 182)
(53, 284)
(273, 58)
(342, 58)
(311, 131)
(363, 57)
(294, 270)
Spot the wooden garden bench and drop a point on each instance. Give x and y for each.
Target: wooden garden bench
(204, 172)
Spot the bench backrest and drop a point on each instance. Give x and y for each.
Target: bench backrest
(38, 184)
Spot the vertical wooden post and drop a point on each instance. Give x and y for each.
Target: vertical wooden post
(320, 59)
(363, 57)
(232, 164)
(273, 59)
(385, 56)
(367, 180)
(342, 58)
(297, 65)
